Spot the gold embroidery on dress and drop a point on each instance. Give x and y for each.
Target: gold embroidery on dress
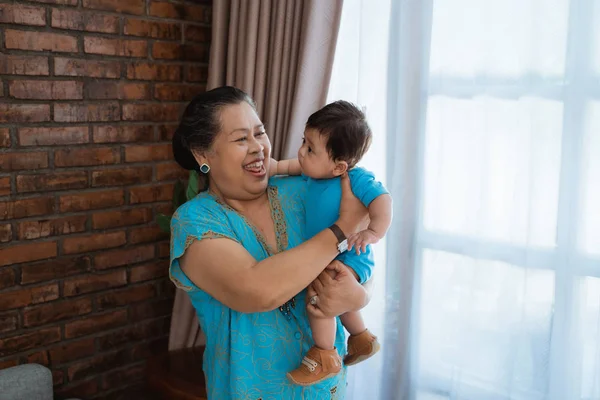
(278, 219)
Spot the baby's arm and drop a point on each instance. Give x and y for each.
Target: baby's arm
(380, 213)
(285, 167)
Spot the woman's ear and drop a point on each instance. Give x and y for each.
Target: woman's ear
(200, 157)
(340, 168)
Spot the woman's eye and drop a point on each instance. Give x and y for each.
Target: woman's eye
(260, 133)
(241, 139)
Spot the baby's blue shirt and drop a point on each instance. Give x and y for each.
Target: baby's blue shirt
(322, 206)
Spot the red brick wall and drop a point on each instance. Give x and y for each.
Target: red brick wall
(90, 91)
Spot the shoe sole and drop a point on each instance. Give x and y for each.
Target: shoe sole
(310, 383)
(376, 348)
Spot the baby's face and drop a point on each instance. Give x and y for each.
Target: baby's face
(313, 156)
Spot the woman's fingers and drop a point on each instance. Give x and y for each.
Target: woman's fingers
(317, 286)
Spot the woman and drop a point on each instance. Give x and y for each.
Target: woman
(238, 250)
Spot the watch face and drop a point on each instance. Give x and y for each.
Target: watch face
(343, 246)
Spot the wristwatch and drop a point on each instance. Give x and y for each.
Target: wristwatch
(342, 240)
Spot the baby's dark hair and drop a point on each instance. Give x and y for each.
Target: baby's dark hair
(348, 133)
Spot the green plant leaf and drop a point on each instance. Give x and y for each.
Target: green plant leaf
(178, 195)
(164, 222)
(192, 188)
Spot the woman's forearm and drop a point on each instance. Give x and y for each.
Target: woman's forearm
(280, 277)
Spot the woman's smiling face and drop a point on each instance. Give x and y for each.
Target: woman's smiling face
(240, 154)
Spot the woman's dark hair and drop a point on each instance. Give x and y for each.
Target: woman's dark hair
(201, 123)
(345, 126)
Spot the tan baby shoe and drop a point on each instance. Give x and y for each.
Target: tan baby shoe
(360, 347)
(316, 366)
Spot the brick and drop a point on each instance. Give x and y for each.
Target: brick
(24, 113)
(4, 187)
(21, 161)
(196, 13)
(124, 376)
(148, 309)
(21, 14)
(93, 324)
(8, 363)
(90, 201)
(26, 208)
(165, 132)
(147, 234)
(46, 90)
(7, 278)
(23, 65)
(62, 2)
(58, 377)
(106, 90)
(177, 92)
(175, 51)
(51, 227)
(67, 112)
(114, 219)
(156, 152)
(9, 322)
(52, 181)
(46, 136)
(5, 137)
(122, 176)
(151, 112)
(152, 29)
(115, 47)
(40, 41)
(84, 21)
(89, 68)
(170, 171)
(197, 73)
(150, 271)
(24, 297)
(163, 249)
(148, 194)
(94, 283)
(123, 134)
(26, 341)
(55, 312)
(26, 252)
(133, 334)
(125, 257)
(153, 72)
(71, 351)
(86, 157)
(54, 269)
(145, 350)
(98, 364)
(79, 389)
(97, 241)
(5, 233)
(195, 33)
(167, 50)
(137, 7)
(126, 296)
(39, 357)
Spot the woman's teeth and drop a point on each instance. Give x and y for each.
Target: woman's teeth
(254, 166)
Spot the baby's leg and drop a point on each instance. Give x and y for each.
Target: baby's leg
(353, 322)
(323, 331)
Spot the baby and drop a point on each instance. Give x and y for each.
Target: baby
(335, 139)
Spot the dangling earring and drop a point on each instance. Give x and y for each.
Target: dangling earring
(204, 168)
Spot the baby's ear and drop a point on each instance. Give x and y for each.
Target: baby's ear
(340, 168)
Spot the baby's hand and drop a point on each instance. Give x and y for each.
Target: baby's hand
(361, 239)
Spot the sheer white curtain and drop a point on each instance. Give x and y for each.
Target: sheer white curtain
(487, 130)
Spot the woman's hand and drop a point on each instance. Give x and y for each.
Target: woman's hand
(337, 292)
(353, 214)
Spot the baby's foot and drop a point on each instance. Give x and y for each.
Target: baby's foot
(317, 365)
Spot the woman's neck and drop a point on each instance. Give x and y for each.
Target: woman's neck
(245, 206)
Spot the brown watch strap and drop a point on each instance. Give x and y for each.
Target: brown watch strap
(339, 234)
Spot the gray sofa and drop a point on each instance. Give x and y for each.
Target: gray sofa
(26, 382)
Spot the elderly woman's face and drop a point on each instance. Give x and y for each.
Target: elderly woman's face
(240, 155)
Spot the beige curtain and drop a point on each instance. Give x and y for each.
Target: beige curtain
(281, 53)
